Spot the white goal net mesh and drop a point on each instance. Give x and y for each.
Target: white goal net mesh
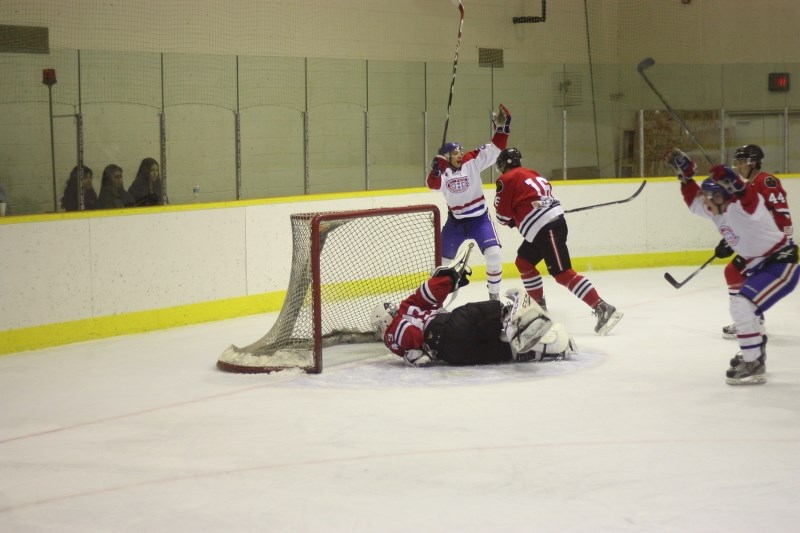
(343, 265)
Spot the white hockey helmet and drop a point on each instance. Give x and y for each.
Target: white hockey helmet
(382, 316)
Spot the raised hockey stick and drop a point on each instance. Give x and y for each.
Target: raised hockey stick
(455, 67)
(678, 284)
(628, 199)
(459, 263)
(645, 64)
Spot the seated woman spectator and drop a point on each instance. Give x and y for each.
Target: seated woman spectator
(146, 187)
(112, 192)
(69, 202)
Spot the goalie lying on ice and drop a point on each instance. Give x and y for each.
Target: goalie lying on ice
(422, 331)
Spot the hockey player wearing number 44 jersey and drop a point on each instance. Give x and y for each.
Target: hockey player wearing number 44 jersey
(747, 160)
(458, 176)
(769, 261)
(524, 199)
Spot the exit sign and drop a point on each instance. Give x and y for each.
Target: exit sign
(778, 81)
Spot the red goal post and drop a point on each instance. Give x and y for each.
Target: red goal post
(343, 264)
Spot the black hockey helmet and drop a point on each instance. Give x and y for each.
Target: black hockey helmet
(508, 158)
(752, 153)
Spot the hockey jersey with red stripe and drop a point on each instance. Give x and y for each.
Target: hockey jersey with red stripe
(771, 189)
(462, 187)
(746, 225)
(524, 198)
(407, 330)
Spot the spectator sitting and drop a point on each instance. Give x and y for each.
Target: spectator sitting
(146, 187)
(69, 202)
(112, 192)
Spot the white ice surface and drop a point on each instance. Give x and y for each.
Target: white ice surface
(639, 432)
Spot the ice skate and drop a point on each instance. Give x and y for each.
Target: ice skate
(607, 317)
(729, 331)
(743, 372)
(737, 359)
(747, 373)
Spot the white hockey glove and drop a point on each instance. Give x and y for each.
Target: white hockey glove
(417, 358)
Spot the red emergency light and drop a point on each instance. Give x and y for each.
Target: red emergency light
(778, 81)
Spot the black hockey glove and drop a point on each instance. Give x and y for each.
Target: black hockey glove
(739, 263)
(447, 272)
(457, 278)
(723, 250)
(463, 279)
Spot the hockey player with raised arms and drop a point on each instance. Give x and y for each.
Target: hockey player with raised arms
(458, 176)
(422, 331)
(748, 160)
(768, 261)
(524, 200)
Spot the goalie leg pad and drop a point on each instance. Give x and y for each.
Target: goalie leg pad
(531, 326)
(554, 345)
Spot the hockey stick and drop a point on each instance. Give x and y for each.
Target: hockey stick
(645, 64)
(455, 67)
(678, 284)
(459, 263)
(634, 195)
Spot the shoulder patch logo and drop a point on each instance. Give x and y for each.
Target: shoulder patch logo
(499, 186)
(771, 182)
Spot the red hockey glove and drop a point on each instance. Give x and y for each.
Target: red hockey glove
(439, 165)
(682, 163)
(728, 179)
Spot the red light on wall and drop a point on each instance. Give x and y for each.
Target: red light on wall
(49, 77)
(778, 81)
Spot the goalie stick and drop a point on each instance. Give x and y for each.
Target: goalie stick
(678, 284)
(645, 64)
(628, 199)
(455, 67)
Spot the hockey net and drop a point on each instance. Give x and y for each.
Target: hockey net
(343, 265)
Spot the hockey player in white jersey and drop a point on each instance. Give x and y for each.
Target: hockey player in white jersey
(458, 176)
(769, 261)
